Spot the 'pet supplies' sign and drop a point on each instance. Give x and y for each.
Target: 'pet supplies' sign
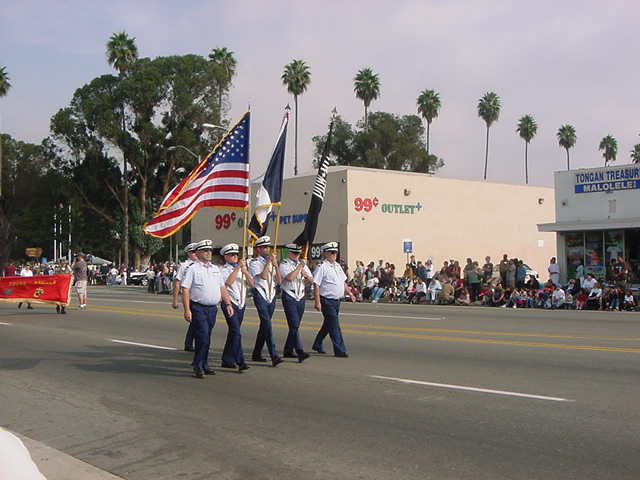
(621, 178)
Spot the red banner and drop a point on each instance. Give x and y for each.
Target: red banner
(53, 289)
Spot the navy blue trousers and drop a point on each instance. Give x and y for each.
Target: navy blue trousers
(331, 326)
(293, 310)
(232, 353)
(203, 318)
(265, 332)
(189, 338)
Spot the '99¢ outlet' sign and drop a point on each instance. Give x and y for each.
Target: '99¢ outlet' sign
(367, 205)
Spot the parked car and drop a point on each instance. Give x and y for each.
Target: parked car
(138, 278)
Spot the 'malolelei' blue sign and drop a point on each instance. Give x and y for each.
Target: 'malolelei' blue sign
(621, 178)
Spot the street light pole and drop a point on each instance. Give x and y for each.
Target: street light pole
(171, 149)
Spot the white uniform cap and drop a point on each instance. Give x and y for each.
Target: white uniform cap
(230, 248)
(263, 241)
(204, 245)
(292, 247)
(330, 247)
(190, 247)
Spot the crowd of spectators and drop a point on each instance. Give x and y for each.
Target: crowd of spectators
(509, 284)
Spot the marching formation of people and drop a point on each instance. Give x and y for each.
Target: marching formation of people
(508, 284)
(205, 287)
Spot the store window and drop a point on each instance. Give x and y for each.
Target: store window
(594, 254)
(575, 254)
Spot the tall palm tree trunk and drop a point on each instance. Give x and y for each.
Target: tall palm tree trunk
(486, 154)
(428, 127)
(295, 148)
(366, 117)
(567, 158)
(526, 164)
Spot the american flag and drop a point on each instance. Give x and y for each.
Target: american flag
(220, 180)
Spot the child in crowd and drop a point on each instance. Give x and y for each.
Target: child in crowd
(581, 299)
(463, 298)
(629, 303)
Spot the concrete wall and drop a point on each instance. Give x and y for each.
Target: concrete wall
(447, 218)
(597, 205)
(370, 212)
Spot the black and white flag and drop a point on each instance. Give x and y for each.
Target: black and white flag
(317, 197)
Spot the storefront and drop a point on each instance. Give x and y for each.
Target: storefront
(598, 222)
(389, 215)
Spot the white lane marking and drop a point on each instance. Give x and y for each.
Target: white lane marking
(473, 389)
(142, 344)
(308, 311)
(4, 323)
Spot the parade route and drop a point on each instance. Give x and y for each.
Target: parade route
(429, 392)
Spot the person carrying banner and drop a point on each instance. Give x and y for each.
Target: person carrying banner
(264, 270)
(330, 285)
(294, 272)
(202, 291)
(237, 279)
(26, 272)
(190, 251)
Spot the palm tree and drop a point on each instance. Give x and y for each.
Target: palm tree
(296, 77)
(609, 147)
(122, 53)
(428, 106)
(489, 111)
(567, 138)
(225, 59)
(635, 153)
(366, 86)
(527, 128)
(4, 89)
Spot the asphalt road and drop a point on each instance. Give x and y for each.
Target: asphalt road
(428, 393)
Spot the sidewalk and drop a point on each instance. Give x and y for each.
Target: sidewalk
(54, 464)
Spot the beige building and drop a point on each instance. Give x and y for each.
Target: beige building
(373, 213)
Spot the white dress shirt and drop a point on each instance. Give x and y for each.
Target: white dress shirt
(182, 268)
(295, 287)
(256, 266)
(237, 291)
(203, 281)
(330, 278)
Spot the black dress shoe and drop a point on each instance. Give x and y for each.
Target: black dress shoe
(259, 359)
(198, 373)
(227, 365)
(19, 305)
(318, 350)
(275, 361)
(57, 308)
(208, 371)
(29, 307)
(342, 355)
(63, 311)
(289, 355)
(189, 349)
(303, 356)
(242, 367)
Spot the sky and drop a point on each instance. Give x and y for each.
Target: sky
(562, 62)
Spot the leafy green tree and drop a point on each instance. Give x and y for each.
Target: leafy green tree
(296, 77)
(122, 53)
(567, 139)
(527, 129)
(390, 142)
(5, 85)
(489, 110)
(228, 64)
(165, 95)
(635, 153)
(428, 106)
(609, 148)
(366, 86)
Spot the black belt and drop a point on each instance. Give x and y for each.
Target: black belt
(201, 304)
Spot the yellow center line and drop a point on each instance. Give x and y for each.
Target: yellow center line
(349, 328)
(167, 314)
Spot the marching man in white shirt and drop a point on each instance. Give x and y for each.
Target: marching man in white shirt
(237, 279)
(202, 291)
(294, 273)
(190, 251)
(330, 285)
(266, 275)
